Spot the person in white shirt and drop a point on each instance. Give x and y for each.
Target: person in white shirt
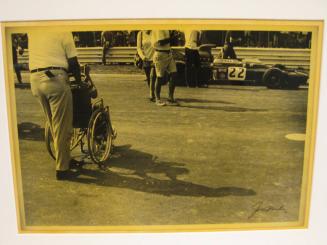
(146, 52)
(51, 55)
(192, 58)
(164, 63)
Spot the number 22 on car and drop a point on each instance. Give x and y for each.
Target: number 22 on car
(236, 73)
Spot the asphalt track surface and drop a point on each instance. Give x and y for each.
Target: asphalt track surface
(214, 159)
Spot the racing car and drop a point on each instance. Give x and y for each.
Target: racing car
(247, 71)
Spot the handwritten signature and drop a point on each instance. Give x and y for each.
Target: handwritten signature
(258, 207)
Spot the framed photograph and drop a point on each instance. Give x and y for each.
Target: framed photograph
(162, 125)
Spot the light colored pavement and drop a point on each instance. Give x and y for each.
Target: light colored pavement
(214, 159)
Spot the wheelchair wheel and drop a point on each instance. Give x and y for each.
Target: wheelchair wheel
(100, 136)
(76, 139)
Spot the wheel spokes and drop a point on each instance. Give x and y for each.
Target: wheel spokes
(100, 137)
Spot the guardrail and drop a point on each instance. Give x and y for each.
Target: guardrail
(292, 58)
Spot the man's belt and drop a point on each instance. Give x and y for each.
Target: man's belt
(163, 51)
(49, 68)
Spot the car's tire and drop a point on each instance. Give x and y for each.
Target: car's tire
(274, 79)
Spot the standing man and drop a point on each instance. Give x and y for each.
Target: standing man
(17, 47)
(228, 49)
(51, 55)
(107, 39)
(192, 58)
(146, 51)
(163, 62)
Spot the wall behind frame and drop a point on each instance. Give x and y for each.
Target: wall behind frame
(95, 9)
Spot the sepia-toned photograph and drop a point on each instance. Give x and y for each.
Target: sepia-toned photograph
(134, 127)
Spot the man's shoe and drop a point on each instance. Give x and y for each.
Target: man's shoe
(66, 175)
(74, 164)
(151, 99)
(172, 102)
(160, 103)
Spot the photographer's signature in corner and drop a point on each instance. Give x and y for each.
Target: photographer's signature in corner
(259, 207)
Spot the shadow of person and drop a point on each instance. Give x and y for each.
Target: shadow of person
(147, 174)
(222, 108)
(30, 131)
(23, 85)
(142, 164)
(242, 88)
(194, 100)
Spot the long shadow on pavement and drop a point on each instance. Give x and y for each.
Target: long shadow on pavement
(23, 85)
(142, 166)
(221, 108)
(258, 89)
(193, 100)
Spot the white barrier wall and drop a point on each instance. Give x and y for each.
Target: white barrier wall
(289, 57)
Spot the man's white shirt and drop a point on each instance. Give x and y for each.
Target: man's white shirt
(50, 48)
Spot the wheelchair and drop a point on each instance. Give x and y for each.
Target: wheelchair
(91, 122)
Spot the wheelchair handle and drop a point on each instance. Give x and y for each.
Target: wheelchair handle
(86, 83)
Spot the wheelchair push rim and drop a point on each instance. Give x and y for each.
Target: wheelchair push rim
(100, 136)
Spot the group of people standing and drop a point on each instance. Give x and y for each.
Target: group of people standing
(52, 56)
(154, 48)
(157, 60)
